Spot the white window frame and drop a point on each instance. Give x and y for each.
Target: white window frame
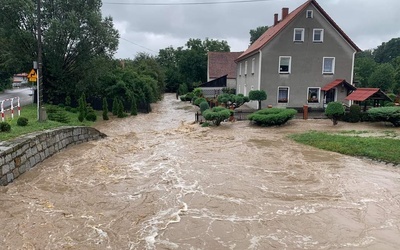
(318, 95)
(333, 66)
(311, 15)
(322, 35)
(302, 34)
(290, 65)
(240, 69)
(288, 94)
(253, 63)
(245, 68)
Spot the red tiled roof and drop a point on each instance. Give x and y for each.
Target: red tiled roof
(336, 83)
(362, 94)
(274, 30)
(222, 63)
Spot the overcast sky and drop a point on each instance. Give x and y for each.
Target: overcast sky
(151, 28)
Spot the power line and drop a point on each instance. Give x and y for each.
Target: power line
(187, 3)
(138, 45)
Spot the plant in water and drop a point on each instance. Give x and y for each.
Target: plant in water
(105, 109)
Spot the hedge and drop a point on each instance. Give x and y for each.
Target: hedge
(272, 116)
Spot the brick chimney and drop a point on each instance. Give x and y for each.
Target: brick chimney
(285, 12)
(275, 19)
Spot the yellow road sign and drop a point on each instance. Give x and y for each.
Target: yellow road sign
(32, 76)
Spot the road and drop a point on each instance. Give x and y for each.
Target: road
(24, 93)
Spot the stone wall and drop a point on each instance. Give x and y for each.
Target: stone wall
(19, 155)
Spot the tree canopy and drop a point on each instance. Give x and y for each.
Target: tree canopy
(188, 64)
(77, 41)
(256, 33)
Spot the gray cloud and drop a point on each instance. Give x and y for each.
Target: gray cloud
(368, 23)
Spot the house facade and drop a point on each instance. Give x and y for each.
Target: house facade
(303, 59)
(220, 64)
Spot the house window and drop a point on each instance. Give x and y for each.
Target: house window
(318, 35)
(240, 69)
(284, 64)
(313, 95)
(309, 14)
(283, 94)
(328, 66)
(298, 35)
(253, 62)
(245, 68)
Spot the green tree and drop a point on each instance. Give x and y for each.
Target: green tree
(216, 115)
(133, 106)
(74, 33)
(383, 77)
(364, 67)
(256, 33)
(387, 51)
(258, 95)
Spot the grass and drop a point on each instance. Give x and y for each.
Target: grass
(380, 149)
(30, 112)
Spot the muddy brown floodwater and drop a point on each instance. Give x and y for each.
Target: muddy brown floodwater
(158, 181)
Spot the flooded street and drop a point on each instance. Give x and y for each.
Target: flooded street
(158, 181)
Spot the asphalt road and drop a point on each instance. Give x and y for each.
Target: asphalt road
(24, 94)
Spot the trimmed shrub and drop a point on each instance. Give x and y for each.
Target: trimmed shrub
(91, 116)
(204, 106)
(115, 106)
(258, 95)
(133, 106)
(57, 115)
(105, 109)
(120, 109)
(216, 115)
(272, 116)
(5, 127)
(385, 114)
(199, 100)
(334, 111)
(354, 114)
(22, 121)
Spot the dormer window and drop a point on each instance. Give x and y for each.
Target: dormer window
(309, 14)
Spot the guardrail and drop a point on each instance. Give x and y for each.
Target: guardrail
(11, 107)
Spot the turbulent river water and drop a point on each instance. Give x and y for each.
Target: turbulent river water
(158, 181)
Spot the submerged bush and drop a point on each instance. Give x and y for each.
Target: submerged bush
(199, 100)
(272, 116)
(354, 115)
(216, 115)
(389, 114)
(334, 111)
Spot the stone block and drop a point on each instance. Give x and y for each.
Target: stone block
(12, 165)
(3, 181)
(17, 162)
(16, 173)
(10, 177)
(5, 169)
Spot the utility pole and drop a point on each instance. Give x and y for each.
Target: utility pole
(40, 64)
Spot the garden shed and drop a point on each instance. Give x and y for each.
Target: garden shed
(214, 87)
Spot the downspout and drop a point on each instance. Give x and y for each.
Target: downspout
(352, 73)
(259, 73)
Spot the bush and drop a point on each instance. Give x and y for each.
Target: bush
(115, 106)
(334, 111)
(68, 108)
(389, 114)
(272, 116)
(5, 127)
(91, 116)
(204, 106)
(133, 106)
(68, 101)
(57, 115)
(74, 110)
(199, 100)
(354, 115)
(105, 109)
(22, 121)
(216, 115)
(120, 109)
